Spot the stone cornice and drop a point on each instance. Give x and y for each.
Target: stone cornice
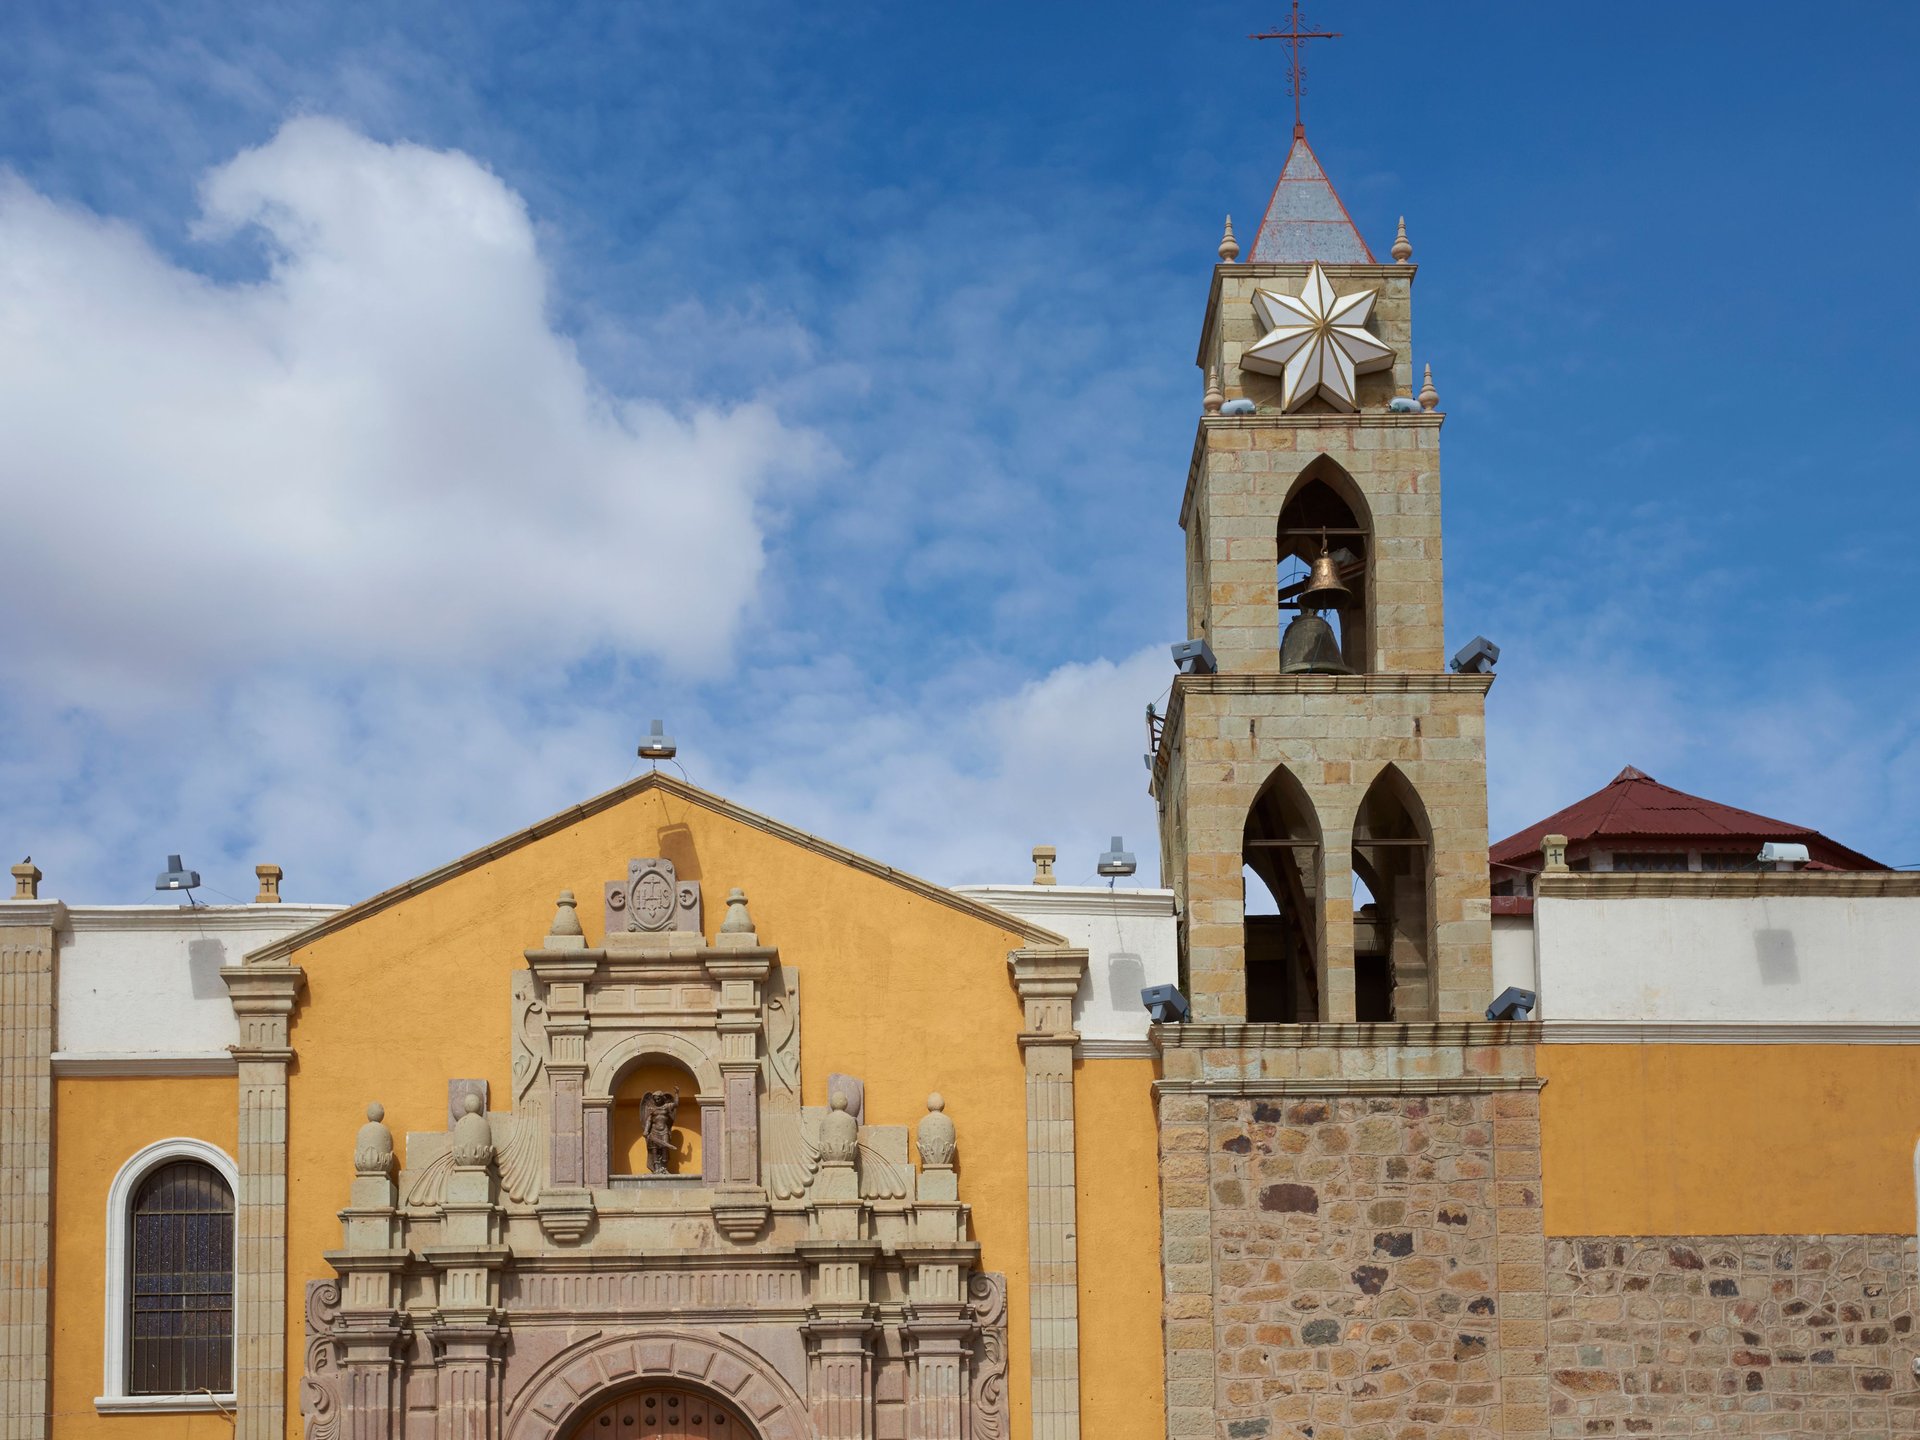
(101, 1063)
(1247, 682)
(1074, 899)
(1096, 1047)
(1724, 884)
(669, 787)
(33, 915)
(1440, 1035)
(240, 919)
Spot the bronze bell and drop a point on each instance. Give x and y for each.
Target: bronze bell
(1324, 590)
(1308, 647)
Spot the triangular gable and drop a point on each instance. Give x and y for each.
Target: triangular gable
(1305, 219)
(653, 780)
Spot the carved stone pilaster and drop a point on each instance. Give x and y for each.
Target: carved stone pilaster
(939, 1339)
(28, 985)
(1047, 981)
(263, 997)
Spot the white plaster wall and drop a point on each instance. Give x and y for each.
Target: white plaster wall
(145, 979)
(1130, 938)
(1765, 960)
(1513, 954)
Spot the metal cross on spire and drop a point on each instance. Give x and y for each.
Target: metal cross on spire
(1296, 67)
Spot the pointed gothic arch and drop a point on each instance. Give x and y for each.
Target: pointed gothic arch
(1393, 946)
(1281, 845)
(1324, 501)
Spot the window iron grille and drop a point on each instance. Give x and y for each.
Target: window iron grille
(180, 1295)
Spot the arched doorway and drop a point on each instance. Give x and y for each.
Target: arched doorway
(662, 1412)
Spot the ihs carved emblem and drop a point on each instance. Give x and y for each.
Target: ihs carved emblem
(1316, 342)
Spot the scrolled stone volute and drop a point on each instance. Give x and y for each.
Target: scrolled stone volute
(472, 1137)
(839, 1134)
(373, 1146)
(936, 1134)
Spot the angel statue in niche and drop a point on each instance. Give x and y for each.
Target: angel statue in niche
(657, 1109)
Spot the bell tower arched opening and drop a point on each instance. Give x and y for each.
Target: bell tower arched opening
(1281, 849)
(1325, 523)
(1393, 934)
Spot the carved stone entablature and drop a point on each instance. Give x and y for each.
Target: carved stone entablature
(792, 1258)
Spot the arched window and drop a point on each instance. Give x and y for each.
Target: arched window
(170, 1268)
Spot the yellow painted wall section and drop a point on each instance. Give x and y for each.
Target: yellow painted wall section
(1117, 1209)
(98, 1125)
(907, 993)
(1729, 1139)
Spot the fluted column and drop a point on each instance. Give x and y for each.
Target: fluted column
(1047, 981)
(28, 968)
(263, 997)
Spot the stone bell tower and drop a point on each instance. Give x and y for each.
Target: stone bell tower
(1349, 1152)
(1330, 740)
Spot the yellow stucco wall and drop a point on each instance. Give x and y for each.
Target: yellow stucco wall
(1117, 1206)
(907, 993)
(1729, 1139)
(99, 1124)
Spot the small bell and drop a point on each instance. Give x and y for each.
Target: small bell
(1324, 590)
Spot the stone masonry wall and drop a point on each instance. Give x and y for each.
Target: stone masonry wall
(1733, 1335)
(1377, 1267)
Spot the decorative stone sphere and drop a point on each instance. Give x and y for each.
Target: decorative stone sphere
(472, 1136)
(373, 1145)
(936, 1133)
(839, 1133)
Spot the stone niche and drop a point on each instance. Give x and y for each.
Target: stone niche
(508, 1278)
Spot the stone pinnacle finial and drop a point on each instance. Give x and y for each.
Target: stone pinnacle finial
(1211, 402)
(1043, 858)
(565, 932)
(472, 1136)
(26, 880)
(839, 1132)
(1429, 397)
(936, 1133)
(373, 1145)
(738, 921)
(1229, 247)
(1553, 853)
(1402, 247)
(269, 877)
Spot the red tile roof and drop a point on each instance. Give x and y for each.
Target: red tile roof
(1637, 812)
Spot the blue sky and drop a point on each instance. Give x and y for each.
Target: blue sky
(412, 402)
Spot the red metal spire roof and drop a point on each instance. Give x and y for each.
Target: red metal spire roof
(1637, 812)
(1305, 219)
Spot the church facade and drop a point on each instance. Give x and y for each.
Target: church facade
(663, 1118)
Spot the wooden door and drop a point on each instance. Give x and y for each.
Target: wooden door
(662, 1413)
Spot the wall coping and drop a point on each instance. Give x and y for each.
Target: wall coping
(1724, 884)
(1435, 1035)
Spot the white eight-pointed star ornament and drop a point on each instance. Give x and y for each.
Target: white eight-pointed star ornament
(1316, 342)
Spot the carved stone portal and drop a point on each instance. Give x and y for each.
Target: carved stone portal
(809, 1275)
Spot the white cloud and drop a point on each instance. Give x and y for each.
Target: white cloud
(960, 790)
(377, 452)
